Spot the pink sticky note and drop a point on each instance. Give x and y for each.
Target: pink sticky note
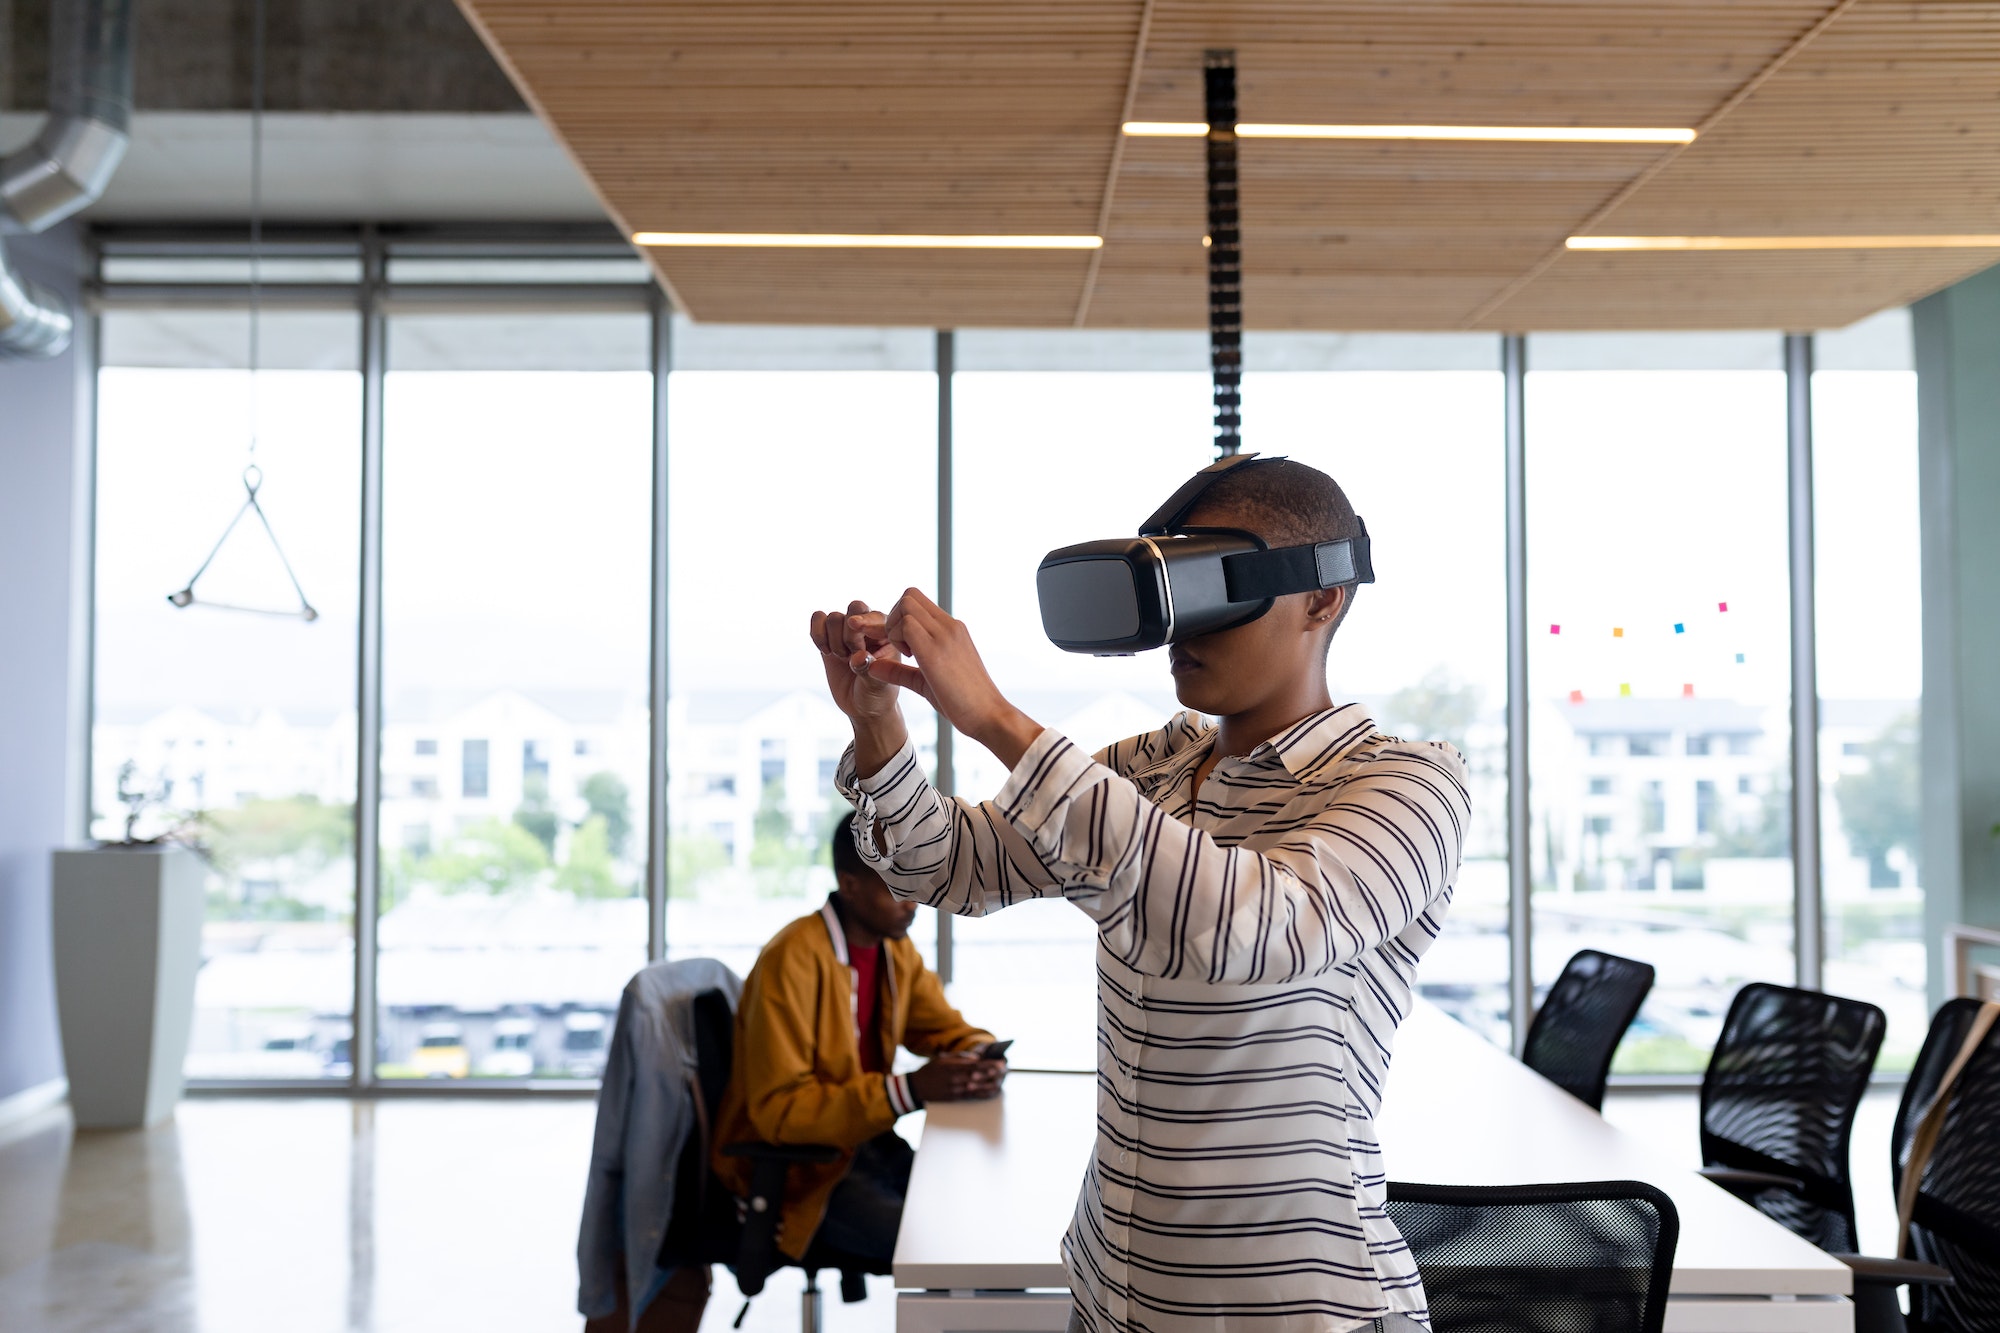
(1687, 691)
(1576, 696)
(1722, 606)
(1555, 629)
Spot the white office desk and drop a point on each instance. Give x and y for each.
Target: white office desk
(995, 1183)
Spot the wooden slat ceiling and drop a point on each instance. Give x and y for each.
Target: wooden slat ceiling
(1862, 117)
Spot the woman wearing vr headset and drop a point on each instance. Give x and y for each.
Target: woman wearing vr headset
(1263, 886)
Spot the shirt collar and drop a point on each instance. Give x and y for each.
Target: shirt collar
(1316, 742)
(834, 930)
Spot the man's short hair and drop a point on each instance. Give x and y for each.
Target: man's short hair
(1284, 502)
(846, 856)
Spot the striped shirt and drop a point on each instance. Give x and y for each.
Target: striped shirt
(1257, 946)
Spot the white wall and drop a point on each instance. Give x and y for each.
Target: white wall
(44, 450)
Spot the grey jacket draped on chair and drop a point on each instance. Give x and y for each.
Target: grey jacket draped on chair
(645, 1111)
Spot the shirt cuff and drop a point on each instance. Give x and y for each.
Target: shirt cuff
(903, 1098)
(885, 796)
(1046, 777)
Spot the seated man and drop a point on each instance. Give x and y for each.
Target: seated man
(831, 997)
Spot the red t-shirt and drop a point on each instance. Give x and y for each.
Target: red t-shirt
(867, 965)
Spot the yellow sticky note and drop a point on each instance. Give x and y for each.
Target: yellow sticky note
(1618, 633)
(1625, 690)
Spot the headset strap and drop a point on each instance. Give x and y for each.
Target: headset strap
(1181, 503)
(1251, 576)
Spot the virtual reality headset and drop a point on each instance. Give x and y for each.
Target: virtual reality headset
(1172, 582)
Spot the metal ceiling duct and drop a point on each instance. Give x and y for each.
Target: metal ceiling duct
(69, 163)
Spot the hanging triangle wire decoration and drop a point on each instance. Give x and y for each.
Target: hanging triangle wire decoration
(253, 478)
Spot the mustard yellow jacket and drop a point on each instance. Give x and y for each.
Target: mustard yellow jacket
(797, 1075)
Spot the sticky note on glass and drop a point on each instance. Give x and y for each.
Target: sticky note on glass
(1555, 629)
(1722, 606)
(1625, 690)
(1617, 633)
(1739, 657)
(1680, 628)
(1576, 696)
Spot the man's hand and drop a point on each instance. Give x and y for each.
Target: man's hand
(958, 1076)
(848, 643)
(949, 673)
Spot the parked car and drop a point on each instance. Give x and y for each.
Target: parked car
(287, 1052)
(512, 1055)
(583, 1046)
(441, 1052)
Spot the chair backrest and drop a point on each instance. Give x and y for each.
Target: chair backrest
(714, 1047)
(702, 1227)
(1780, 1095)
(1593, 1257)
(1578, 1027)
(1956, 1222)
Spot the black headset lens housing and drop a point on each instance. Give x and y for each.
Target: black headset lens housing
(1126, 595)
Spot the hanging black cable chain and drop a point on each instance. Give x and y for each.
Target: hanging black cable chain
(1225, 252)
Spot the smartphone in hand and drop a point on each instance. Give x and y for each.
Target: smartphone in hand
(995, 1050)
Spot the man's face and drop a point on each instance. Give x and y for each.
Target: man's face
(871, 906)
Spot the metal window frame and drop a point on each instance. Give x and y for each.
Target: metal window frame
(1808, 902)
(659, 678)
(1520, 823)
(362, 1043)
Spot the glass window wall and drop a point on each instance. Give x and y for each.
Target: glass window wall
(1658, 631)
(517, 519)
(802, 474)
(517, 555)
(1870, 672)
(223, 728)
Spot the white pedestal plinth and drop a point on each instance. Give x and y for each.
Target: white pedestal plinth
(127, 946)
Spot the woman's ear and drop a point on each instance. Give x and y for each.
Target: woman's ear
(1324, 607)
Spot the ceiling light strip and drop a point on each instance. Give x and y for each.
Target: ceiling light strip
(857, 241)
(1195, 129)
(1956, 242)
(1603, 211)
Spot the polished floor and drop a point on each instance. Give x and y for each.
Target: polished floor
(329, 1216)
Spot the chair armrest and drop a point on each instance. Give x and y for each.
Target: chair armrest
(1895, 1272)
(1742, 1182)
(783, 1152)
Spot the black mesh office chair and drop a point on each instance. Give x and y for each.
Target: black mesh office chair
(1954, 1269)
(709, 1224)
(1584, 1258)
(1778, 1103)
(1579, 1025)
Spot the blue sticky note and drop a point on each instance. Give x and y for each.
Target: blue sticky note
(1680, 628)
(1739, 657)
